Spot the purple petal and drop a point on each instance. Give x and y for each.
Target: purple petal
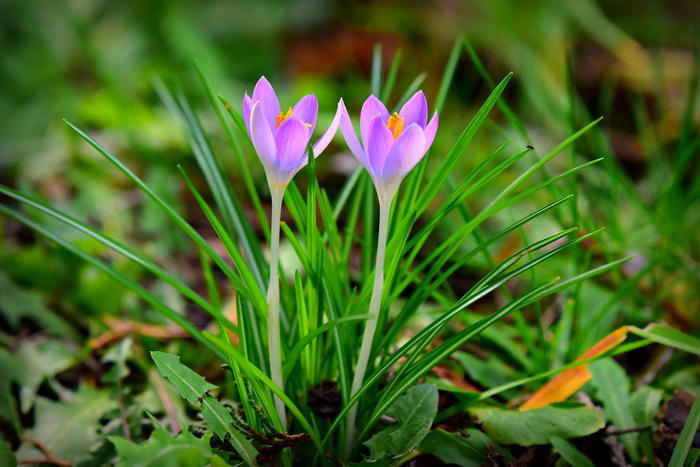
(270, 106)
(430, 131)
(350, 137)
(415, 110)
(306, 110)
(247, 107)
(380, 141)
(292, 139)
(407, 151)
(327, 137)
(371, 108)
(261, 135)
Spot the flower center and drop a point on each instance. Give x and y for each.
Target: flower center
(395, 124)
(284, 116)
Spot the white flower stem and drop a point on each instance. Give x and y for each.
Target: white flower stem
(371, 325)
(273, 304)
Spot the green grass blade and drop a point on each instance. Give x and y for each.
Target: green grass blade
(237, 151)
(129, 284)
(250, 289)
(255, 372)
(686, 440)
(174, 215)
(124, 251)
(229, 207)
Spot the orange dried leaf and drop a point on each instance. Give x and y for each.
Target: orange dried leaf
(571, 380)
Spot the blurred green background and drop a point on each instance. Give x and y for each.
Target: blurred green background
(98, 65)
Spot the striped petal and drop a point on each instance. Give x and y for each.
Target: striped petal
(261, 135)
(415, 110)
(269, 105)
(379, 142)
(405, 153)
(306, 110)
(370, 109)
(291, 139)
(350, 137)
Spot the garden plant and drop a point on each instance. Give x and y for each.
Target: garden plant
(338, 327)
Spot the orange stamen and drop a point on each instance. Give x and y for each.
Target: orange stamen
(395, 124)
(282, 117)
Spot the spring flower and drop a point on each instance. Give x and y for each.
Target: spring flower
(281, 138)
(392, 145)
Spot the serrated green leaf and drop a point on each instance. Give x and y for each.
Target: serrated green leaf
(183, 450)
(419, 402)
(414, 413)
(219, 421)
(570, 453)
(453, 448)
(537, 426)
(68, 430)
(399, 442)
(189, 384)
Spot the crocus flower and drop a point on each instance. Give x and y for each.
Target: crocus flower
(392, 145)
(281, 138)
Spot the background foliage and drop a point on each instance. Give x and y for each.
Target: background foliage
(103, 67)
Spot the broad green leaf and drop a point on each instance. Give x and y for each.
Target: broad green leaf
(13, 371)
(414, 413)
(189, 384)
(219, 420)
(41, 358)
(7, 457)
(399, 442)
(18, 302)
(68, 430)
(183, 450)
(570, 453)
(418, 403)
(613, 387)
(465, 451)
(537, 426)
(644, 404)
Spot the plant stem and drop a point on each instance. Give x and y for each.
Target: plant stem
(273, 304)
(371, 326)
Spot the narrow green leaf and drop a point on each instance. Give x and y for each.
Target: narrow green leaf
(137, 289)
(670, 337)
(570, 453)
(686, 440)
(251, 288)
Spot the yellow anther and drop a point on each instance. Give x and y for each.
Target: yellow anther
(282, 117)
(395, 124)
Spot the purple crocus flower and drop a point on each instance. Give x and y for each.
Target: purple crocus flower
(282, 138)
(392, 145)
